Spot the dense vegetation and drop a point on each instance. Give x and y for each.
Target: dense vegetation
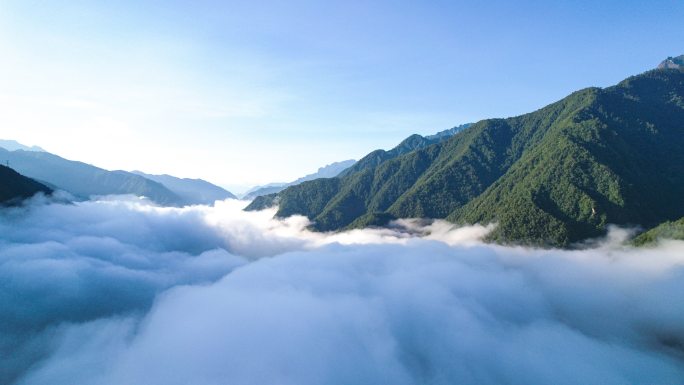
(551, 177)
(413, 142)
(667, 230)
(15, 187)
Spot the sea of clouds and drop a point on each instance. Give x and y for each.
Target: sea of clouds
(119, 291)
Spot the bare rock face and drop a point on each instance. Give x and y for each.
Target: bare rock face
(672, 63)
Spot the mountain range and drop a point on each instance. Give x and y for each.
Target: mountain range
(327, 171)
(552, 177)
(341, 168)
(84, 180)
(413, 142)
(13, 145)
(191, 191)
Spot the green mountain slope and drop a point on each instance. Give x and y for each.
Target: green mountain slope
(667, 230)
(368, 162)
(15, 187)
(616, 159)
(412, 143)
(551, 177)
(377, 157)
(84, 180)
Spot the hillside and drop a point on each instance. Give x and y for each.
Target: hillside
(551, 177)
(85, 180)
(15, 187)
(191, 191)
(375, 158)
(667, 230)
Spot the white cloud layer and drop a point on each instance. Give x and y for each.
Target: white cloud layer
(122, 292)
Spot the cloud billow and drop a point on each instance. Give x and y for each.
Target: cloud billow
(118, 292)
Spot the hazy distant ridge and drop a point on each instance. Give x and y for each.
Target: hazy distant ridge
(328, 171)
(191, 191)
(13, 145)
(85, 180)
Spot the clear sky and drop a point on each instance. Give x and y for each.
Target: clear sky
(249, 92)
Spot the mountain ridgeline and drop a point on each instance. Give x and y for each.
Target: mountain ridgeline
(672, 63)
(84, 180)
(190, 191)
(13, 145)
(413, 142)
(552, 177)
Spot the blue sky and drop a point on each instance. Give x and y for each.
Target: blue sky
(244, 93)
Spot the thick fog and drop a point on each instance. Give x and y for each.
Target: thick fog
(119, 291)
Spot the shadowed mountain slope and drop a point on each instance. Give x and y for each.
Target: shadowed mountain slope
(15, 187)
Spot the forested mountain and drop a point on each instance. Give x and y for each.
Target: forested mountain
(327, 171)
(191, 191)
(667, 230)
(551, 177)
(449, 132)
(85, 180)
(15, 187)
(413, 142)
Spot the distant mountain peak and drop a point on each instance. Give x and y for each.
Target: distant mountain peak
(672, 63)
(191, 191)
(328, 171)
(449, 132)
(13, 145)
